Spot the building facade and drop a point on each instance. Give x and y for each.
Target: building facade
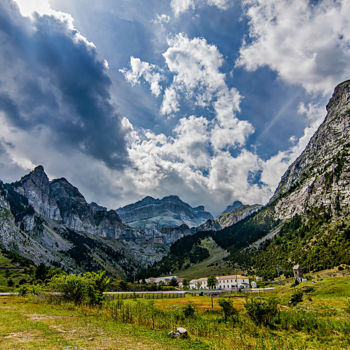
(223, 282)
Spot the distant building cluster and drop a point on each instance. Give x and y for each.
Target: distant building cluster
(223, 282)
(163, 280)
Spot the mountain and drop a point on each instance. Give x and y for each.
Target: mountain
(29, 234)
(60, 201)
(307, 220)
(169, 211)
(228, 217)
(233, 206)
(238, 213)
(51, 222)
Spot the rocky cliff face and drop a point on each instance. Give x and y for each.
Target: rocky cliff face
(24, 231)
(60, 201)
(60, 228)
(320, 177)
(170, 211)
(237, 214)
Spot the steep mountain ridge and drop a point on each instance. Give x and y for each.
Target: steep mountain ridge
(307, 221)
(320, 176)
(60, 201)
(169, 211)
(27, 233)
(63, 230)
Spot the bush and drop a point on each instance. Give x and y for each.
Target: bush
(85, 288)
(97, 283)
(23, 290)
(227, 308)
(261, 311)
(10, 283)
(189, 311)
(296, 298)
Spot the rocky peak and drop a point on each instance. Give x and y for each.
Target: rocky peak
(169, 211)
(233, 206)
(341, 96)
(320, 175)
(35, 186)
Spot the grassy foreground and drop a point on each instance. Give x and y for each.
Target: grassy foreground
(320, 321)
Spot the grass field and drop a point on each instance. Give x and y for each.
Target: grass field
(320, 321)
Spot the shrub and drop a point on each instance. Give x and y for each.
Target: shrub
(189, 311)
(23, 290)
(10, 283)
(73, 288)
(261, 311)
(97, 284)
(227, 308)
(296, 298)
(22, 281)
(85, 288)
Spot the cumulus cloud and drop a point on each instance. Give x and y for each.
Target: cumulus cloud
(52, 79)
(306, 43)
(180, 6)
(149, 72)
(195, 67)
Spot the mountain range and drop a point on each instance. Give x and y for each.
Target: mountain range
(51, 222)
(306, 221)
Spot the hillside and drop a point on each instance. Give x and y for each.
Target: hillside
(307, 219)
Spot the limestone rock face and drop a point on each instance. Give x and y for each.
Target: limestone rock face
(170, 211)
(36, 188)
(60, 201)
(320, 177)
(237, 214)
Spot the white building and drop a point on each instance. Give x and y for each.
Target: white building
(224, 282)
(163, 280)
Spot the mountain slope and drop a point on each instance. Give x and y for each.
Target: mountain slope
(25, 232)
(307, 220)
(169, 211)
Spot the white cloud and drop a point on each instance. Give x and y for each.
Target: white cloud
(180, 6)
(160, 19)
(170, 102)
(29, 8)
(195, 67)
(306, 44)
(149, 72)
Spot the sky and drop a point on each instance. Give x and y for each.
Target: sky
(210, 100)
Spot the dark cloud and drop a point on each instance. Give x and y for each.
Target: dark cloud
(51, 79)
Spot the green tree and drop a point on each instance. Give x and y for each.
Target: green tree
(41, 272)
(185, 283)
(212, 282)
(173, 282)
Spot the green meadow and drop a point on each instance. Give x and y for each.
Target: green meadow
(307, 316)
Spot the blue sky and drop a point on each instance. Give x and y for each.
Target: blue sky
(210, 100)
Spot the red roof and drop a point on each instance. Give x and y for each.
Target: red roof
(237, 277)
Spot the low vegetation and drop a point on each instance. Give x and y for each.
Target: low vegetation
(318, 318)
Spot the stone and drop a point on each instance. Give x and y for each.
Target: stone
(183, 332)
